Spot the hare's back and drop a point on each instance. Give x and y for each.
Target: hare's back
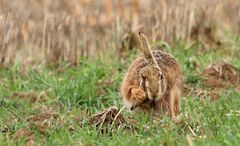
(169, 65)
(165, 60)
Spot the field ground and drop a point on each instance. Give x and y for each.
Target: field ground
(42, 106)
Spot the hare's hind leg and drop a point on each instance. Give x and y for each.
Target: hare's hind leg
(174, 101)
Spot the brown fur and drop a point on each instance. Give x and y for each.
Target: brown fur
(153, 84)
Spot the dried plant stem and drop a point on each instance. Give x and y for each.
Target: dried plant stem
(116, 117)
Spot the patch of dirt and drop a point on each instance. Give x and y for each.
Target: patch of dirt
(203, 94)
(102, 92)
(27, 134)
(32, 97)
(213, 95)
(45, 120)
(104, 84)
(221, 75)
(78, 118)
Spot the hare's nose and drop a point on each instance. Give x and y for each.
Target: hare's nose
(132, 108)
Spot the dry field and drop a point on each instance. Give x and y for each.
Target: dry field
(63, 61)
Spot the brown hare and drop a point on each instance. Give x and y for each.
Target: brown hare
(153, 82)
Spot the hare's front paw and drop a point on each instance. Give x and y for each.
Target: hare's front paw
(138, 96)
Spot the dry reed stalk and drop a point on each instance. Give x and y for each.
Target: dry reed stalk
(134, 14)
(108, 10)
(9, 32)
(44, 35)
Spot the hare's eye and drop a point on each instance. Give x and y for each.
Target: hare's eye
(143, 76)
(161, 77)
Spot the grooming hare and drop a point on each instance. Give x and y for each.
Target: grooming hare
(153, 82)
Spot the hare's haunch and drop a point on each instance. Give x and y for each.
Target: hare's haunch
(153, 82)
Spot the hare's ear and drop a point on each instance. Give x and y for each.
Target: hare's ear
(142, 73)
(142, 79)
(146, 49)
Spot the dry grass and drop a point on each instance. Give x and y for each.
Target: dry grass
(221, 75)
(109, 116)
(55, 31)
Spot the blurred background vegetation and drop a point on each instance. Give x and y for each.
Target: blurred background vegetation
(48, 31)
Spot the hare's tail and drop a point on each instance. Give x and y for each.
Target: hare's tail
(146, 49)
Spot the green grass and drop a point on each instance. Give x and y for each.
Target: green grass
(75, 91)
